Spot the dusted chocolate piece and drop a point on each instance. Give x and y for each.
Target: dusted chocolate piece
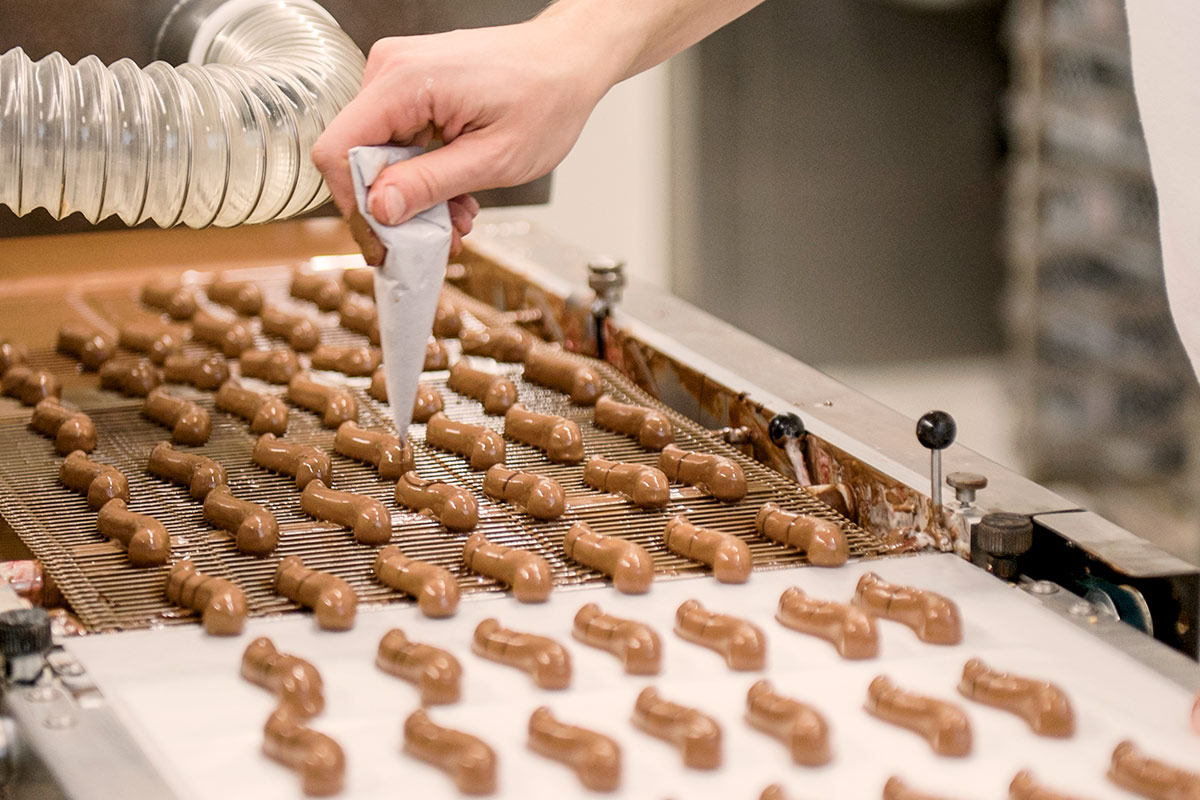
(696, 735)
(436, 356)
(366, 517)
(130, 377)
(277, 366)
(469, 762)
(452, 506)
(333, 601)
(595, 758)
(719, 475)
(1137, 772)
(199, 473)
(934, 618)
(942, 724)
(243, 297)
(1025, 787)
(167, 294)
(86, 343)
(203, 372)
(436, 673)
(652, 429)
(896, 789)
(378, 448)
(545, 660)
(318, 759)
(153, 337)
(446, 320)
(300, 332)
(255, 530)
(537, 495)
(481, 445)
(496, 392)
(563, 373)
(221, 604)
(627, 563)
(189, 423)
(727, 555)
(266, 413)
(361, 280)
(146, 541)
(360, 315)
(740, 642)
(835, 495)
(504, 343)
(848, 628)
(290, 678)
(29, 386)
(100, 482)
(527, 573)
(1043, 705)
(356, 362)
(435, 588)
(303, 462)
(71, 430)
(798, 725)
(230, 336)
(636, 644)
(558, 437)
(821, 540)
(323, 290)
(336, 405)
(645, 487)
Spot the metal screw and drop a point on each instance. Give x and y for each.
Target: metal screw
(59, 721)
(41, 694)
(1081, 608)
(1043, 587)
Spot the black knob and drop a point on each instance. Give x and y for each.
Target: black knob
(784, 427)
(936, 430)
(24, 632)
(1003, 538)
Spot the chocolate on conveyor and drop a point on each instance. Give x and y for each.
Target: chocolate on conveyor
(153, 337)
(651, 428)
(934, 618)
(558, 437)
(447, 322)
(539, 496)
(436, 356)
(467, 759)
(318, 758)
(848, 628)
(452, 506)
(204, 372)
(220, 603)
(496, 392)
(100, 482)
(481, 445)
(230, 336)
(303, 462)
(740, 642)
(380, 449)
(941, 723)
(719, 475)
(545, 660)
(822, 541)
(628, 563)
(427, 402)
(200, 474)
(635, 643)
(503, 343)
(244, 297)
(367, 518)
(773, 792)
(727, 555)
(798, 725)
(896, 789)
(294, 681)
(254, 528)
(594, 757)
(335, 404)
(71, 430)
(300, 332)
(29, 386)
(1137, 772)
(434, 587)
(696, 735)
(526, 572)
(278, 365)
(131, 377)
(350, 360)
(326, 292)
(332, 600)
(644, 486)
(436, 673)
(146, 541)
(169, 295)
(189, 423)
(87, 343)
(358, 314)
(266, 413)
(360, 279)
(563, 373)
(11, 354)
(1044, 706)
(1025, 787)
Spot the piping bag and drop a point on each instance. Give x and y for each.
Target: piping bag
(408, 282)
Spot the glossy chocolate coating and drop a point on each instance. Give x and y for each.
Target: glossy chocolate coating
(153, 337)
(636, 644)
(11, 354)
(538, 496)
(427, 402)
(230, 336)
(360, 279)
(326, 292)
(294, 681)
(167, 294)
(336, 405)
(628, 564)
(545, 660)
(303, 462)
(199, 473)
(773, 792)
(300, 332)
(848, 628)
(452, 506)
(1044, 706)
(496, 392)
(278, 365)
(71, 430)
(1139, 773)
(131, 377)
(696, 735)
(727, 555)
(740, 642)
(652, 429)
(255, 529)
(469, 762)
(333, 601)
(896, 789)
(821, 540)
(934, 618)
(367, 518)
(360, 315)
(436, 356)
(266, 413)
(558, 371)
(221, 604)
(434, 587)
(435, 672)
(203, 372)
(146, 541)
(503, 343)
(378, 448)
(100, 482)
(29, 386)
(481, 445)
(1025, 787)
(835, 495)
(719, 475)
(559, 437)
(243, 297)
(645, 487)
(318, 758)
(527, 573)
(189, 423)
(86, 343)
(446, 320)
(942, 724)
(798, 725)
(355, 362)
(594, 757)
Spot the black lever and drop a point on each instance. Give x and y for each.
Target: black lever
(936, 431)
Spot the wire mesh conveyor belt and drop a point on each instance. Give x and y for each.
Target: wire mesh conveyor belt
(107, 593)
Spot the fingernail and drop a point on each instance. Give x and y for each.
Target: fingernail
(387, 205)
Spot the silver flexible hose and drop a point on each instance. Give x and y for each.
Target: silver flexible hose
(224, 142)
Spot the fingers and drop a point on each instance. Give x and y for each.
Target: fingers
(460, 215)
(409, 187)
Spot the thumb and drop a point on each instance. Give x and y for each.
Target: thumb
(407, 188)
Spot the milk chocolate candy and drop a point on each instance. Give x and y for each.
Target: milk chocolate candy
(326, 292)
(361, 280)
(294, 681)
(562, 373)
(504, 343)
(360, 315)
(1042, 705)
(538, 496)
(452, 506)
(71, 430)
(594, 757)
(469, 762)
(798, 725)
(11, 354)
(436, 356)
(303, 462)
(146, 541)
(230, 336)
(446, 320)
(355, 362)
(243, 297)
(496, 392)
(727, 555)
(435, 588)
(318, 758)
(378, 390)
(740, 642)
(1137, 772)
(934, 618)
(481, 445)
(30, 386)
(189, 423)
(848, 628)
(558, 437)
(278, 366)
(100, 482)
(696, 735)
(773, 792)
(254, 528)
(366, 517)
(636, 644)
(86, 343)
(221, 604)
(645, 487)
(719, 475)
(167, 294)
(153, 337)
(436, 673)
(896, 789)
(942, 724)
(203, 372)
(626, 562)
(427, 402)
(199, 473)
(652, 429)
(1025, 787)
(545, 660)
(821, 540)
(378, 448)
(336, 405)
(266, 413)
(130, 377)
(527, 573)
(300, 332)
(332, 600)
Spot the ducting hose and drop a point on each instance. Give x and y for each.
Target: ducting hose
(222, 142)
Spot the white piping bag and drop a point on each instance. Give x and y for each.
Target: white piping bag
(409, 281)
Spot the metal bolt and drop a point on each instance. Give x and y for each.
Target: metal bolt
(1081, 608)
(1043, 587)
(41, 694)
(59, 721)
(72, 668)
